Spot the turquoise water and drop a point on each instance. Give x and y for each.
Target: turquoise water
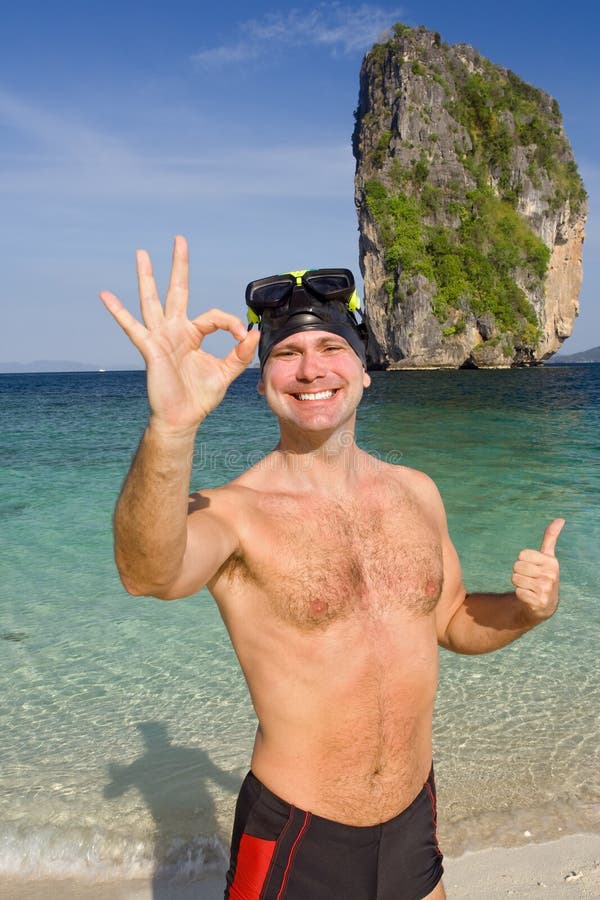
(125, 727)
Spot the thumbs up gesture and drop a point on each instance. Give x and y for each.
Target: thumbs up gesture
(536, 575)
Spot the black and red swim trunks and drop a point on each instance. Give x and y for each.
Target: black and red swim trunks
(280, 852)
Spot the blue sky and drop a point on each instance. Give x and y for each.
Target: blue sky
(124, 124)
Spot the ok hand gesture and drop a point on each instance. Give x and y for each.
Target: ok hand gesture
(184, 382)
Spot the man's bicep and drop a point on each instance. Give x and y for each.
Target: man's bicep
(453, 591)
(211, 540)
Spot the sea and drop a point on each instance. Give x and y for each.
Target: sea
(125, 724)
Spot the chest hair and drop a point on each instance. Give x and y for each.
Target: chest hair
(316, 560)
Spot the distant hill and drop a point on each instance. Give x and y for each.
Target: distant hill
(56, 365)
(586, 356)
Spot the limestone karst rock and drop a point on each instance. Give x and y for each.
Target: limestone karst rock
(471, 209)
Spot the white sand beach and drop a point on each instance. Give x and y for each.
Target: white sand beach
(569, 867)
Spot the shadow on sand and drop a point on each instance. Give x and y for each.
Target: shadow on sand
(172, 780)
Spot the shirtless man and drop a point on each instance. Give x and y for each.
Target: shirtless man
(336, 579)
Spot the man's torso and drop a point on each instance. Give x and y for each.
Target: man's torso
(329, 603)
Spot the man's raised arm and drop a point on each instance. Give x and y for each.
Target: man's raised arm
(482, 622)
(184, 385)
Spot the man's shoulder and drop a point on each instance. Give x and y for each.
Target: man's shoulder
(246, 489)
(232, 492)
(411, 477)
(418, 483)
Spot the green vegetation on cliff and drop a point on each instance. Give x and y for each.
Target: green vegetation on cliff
(500, 112)
(472, 265)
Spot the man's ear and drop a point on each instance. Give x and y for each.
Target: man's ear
(366, 379)
(260, 387)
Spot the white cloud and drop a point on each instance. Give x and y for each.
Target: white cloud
(226, 54)
(332, 25)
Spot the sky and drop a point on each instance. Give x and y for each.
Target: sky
(123, 124)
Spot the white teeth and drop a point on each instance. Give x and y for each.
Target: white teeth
(320, 395)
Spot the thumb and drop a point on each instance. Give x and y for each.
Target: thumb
(551, 536)
(242, 354)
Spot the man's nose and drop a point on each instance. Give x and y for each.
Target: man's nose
(310, 366)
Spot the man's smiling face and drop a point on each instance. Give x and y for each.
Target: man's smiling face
(313, 380)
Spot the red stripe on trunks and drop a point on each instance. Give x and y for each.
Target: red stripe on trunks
(253, 861)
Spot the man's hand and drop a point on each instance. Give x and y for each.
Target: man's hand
(536, 574)
(184, 382)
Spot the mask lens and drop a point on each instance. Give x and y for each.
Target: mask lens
(272, 293)
(330, 284)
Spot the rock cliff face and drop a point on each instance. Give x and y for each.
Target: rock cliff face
(471, 210)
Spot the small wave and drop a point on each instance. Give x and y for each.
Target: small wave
(16, 636)
(13, 509)
(94, 854)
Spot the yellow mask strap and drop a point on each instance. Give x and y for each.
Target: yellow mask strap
(354, 302)
(297, 275)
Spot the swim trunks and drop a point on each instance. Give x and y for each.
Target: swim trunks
(280, 852)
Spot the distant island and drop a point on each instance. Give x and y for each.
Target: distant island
(41, 366)
(59, 365)
(586, 356)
